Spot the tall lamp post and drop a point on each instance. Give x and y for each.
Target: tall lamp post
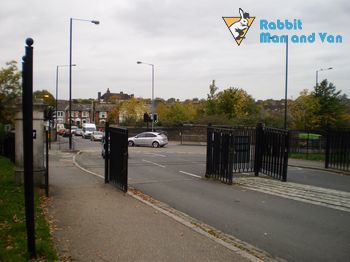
(57, 94)
(286, 87)
(70, 72)
(153, 107)
(321, 69)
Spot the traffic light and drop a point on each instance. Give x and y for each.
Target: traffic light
(146, 118)
(155, 117)
(48, 113)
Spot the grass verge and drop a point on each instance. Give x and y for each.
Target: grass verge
(310, 156)
(13, 236)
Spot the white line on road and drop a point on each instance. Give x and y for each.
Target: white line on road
(152, 163)
(154, 154)
(189, 174)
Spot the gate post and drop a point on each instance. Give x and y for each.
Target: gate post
(106, 147)
(286, 155)
(209, 163)
(27, 109)
(259, 133)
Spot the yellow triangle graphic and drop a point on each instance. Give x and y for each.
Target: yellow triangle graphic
(229, 21)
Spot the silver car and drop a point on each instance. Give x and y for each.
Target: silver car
(153, 139)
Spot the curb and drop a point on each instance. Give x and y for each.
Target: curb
(339, 172)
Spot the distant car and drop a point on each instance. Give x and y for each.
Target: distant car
(74, 128)
(153, 139)
(96, 136)
(61, 131)
(79, 132)
(66, 133)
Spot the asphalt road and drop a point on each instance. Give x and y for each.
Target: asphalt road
(286, 227)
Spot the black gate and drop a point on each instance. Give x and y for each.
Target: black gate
(272, 152)
(8, 146)
(246, 149)
(338, 150)
(229, 150)
(116, 156)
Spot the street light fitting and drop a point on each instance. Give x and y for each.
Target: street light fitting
(138, 62)
(95, 22)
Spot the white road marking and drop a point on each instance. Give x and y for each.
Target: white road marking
(189, 174)
(154, 154)
(152, 163)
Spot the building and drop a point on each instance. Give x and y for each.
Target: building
(81, 113)
(111, 97)
(61, 106)
(101, 112)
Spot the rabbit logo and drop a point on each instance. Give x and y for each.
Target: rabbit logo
(239, 26)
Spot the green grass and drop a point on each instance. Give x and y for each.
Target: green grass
(310, 156)
(13, 236)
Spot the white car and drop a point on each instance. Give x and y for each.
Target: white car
(153, 139)
(96, 136)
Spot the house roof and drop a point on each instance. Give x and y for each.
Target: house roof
(61, 105)
(119, 96)
(79, 107)
(104, 107)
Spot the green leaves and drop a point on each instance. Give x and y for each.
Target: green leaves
(9, 91)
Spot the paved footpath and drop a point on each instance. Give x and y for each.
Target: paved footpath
(94, 221)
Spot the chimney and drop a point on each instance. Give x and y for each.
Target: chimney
(99, 96)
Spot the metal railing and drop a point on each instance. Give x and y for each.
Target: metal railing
(338, 150)
(272, 152)
(246, 149)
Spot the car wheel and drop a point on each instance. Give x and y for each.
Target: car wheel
(155, 144)
(131, 143)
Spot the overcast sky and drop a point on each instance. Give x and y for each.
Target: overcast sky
(187, 41)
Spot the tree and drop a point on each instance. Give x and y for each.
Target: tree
(113, 116)
(46, 96)
(304, 112)
(235, 103)
(211, 103)
(331, 108)
(132, 110)
(10, 89)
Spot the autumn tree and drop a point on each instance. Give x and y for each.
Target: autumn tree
(131, 111)
(46, 96)
(10, 89)
(113, 116)
(235, 103)
(304, 112)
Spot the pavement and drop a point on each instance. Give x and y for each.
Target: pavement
(93, 221)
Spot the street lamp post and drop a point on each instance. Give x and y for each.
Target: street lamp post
(153, 106)
(57, 94)
(286, 87)
(70, 72)
(321, 69)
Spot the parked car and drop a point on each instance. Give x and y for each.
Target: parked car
(66, 133)
(96, 136)
(153, 139)
(79, 132)
(74, 128)
(61, 131)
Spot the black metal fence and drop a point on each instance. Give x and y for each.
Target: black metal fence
(246, 149)
(338, 150)
(272, 152)
(116, 157)
(307, 142)
(229, 150)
